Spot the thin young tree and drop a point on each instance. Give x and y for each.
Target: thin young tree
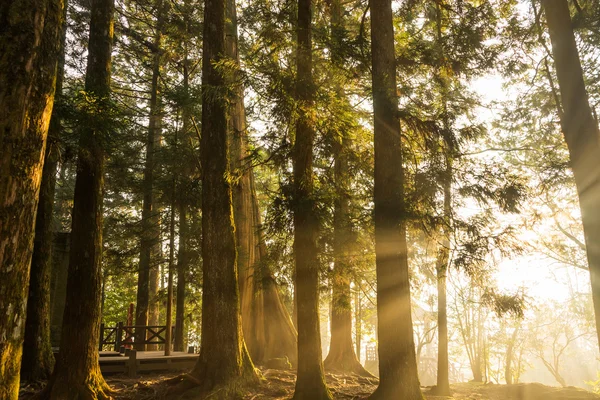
(146, 304)
(310, 382)
(29, 46)
(77, 372)
(580, 130)
(397, 359)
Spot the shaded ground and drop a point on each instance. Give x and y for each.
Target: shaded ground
(279, 384)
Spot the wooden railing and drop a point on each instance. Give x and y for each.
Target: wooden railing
(121, 335)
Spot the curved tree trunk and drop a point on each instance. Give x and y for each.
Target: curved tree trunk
(310, 382)
(267, 326)
(397, 360)
(77, 373)
(581, 134)
(29, 43)
(341, 355)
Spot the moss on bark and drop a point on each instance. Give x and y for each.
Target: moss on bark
(29, 42)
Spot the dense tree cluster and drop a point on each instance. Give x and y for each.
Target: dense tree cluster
(237, 168)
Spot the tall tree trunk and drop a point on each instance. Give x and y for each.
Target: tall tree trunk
(29, 47)
(280, 336)
(77, 373)
(443, 258)
(150, 254)
(224, 361)
(38, 359)
(341, 355)
(310, 382)
(182, 255)
(397, 359)
(581, 134)
(267, 327)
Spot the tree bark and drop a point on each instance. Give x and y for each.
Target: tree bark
(182, 266)
(29, 47)
(77, 373)
(310, 382)
(397, 361)
(267, 326)
(341, 355)
(38, 359)
(224, 362)
(581, 134)
(148, 276)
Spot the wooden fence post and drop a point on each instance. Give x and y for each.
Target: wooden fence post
(118, 336)
(101, 337)
(132, 363)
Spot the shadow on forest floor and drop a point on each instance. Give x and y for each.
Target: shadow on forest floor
(279, 385)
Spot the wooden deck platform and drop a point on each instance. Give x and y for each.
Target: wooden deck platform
(146, 361)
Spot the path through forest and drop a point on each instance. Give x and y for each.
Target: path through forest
(279, 385)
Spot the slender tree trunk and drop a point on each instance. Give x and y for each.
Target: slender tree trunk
(77, 373)
(38, 359)
(358, 322)
(508, 374)
(397, 360)
(182, 256)
(224, 362)
(148, 276)
(581, 134)
(29, 47)
(310, 382)
(443, 259)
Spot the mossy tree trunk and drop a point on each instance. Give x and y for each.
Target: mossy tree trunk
(580, 130)
(224, 363)
(397, 359)
(148, 276)
(29, 43)
(38, 359)
(268, 330)
(310, 382)
(77, 373)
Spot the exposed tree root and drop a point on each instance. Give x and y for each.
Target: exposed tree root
(66, 387)
(346, 364)
(396, 391)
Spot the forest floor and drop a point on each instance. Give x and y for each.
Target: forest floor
(279, 385)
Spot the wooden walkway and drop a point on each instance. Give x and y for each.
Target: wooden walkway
(145, 361)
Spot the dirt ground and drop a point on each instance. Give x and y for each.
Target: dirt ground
(279, 385)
